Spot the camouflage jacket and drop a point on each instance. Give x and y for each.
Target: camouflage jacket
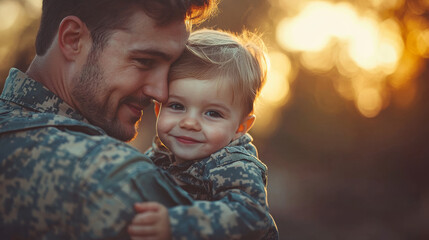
(230, 186)
(63, 178)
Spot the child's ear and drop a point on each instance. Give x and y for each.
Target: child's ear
(245, 126)
(156, 107)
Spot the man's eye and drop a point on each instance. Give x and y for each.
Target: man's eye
(145, 62)
(214, 114)
(176, 106)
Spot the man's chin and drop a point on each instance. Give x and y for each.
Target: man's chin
(125, 136)
(124, 132)
(130, 138)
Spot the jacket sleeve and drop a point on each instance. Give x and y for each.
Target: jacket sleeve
(120, 178)
(239, 208)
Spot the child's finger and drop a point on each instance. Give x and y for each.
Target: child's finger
(146, 218)
(147, 206)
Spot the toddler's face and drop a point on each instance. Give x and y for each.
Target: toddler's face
(198, 119)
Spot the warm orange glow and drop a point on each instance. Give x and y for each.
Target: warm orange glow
(345, 88)
(274, 94)
(9, 13)
(35, 4)
(422, 43)
(266, 120)
(358, 44)
(314, 27)
(387, 4)
(322, 61)
(417, 40)
(345, 65)
(363, 45)
(411, 66)
(34, 8)
(376, 45)
(276, 88)
(369, 102)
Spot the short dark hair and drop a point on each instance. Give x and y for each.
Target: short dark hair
(102, 16)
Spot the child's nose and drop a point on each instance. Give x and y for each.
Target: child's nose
(190, 123)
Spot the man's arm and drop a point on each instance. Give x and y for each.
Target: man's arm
(112, 184)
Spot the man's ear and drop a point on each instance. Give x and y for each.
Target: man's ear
(245, 126)
(73, 36)
(156, 107)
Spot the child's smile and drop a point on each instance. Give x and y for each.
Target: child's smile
(198, 119)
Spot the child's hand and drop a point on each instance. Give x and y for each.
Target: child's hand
(151, 222)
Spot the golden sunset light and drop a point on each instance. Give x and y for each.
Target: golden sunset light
(341, 122)
(357, 43)
(275, 93)
(9, 12)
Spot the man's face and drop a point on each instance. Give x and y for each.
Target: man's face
(116, 83)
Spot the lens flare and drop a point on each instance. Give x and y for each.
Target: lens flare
(356, 43)
(369, 102)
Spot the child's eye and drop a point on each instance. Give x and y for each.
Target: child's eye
(214, 114)
(176, 106)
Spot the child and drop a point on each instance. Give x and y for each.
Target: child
(203, 126)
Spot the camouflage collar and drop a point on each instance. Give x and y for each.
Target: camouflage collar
(243, 140)
(19, 88)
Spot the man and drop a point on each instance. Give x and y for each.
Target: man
(63, 173)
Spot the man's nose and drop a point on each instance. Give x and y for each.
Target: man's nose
(156, 85)
(190, 123)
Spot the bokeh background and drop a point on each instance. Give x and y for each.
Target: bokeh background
(342, 122)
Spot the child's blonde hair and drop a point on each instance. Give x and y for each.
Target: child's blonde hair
(222, 55)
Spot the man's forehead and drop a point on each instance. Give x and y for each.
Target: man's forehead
(143, 37)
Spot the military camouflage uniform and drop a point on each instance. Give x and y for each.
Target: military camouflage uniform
(63, 178)
(231, 188)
